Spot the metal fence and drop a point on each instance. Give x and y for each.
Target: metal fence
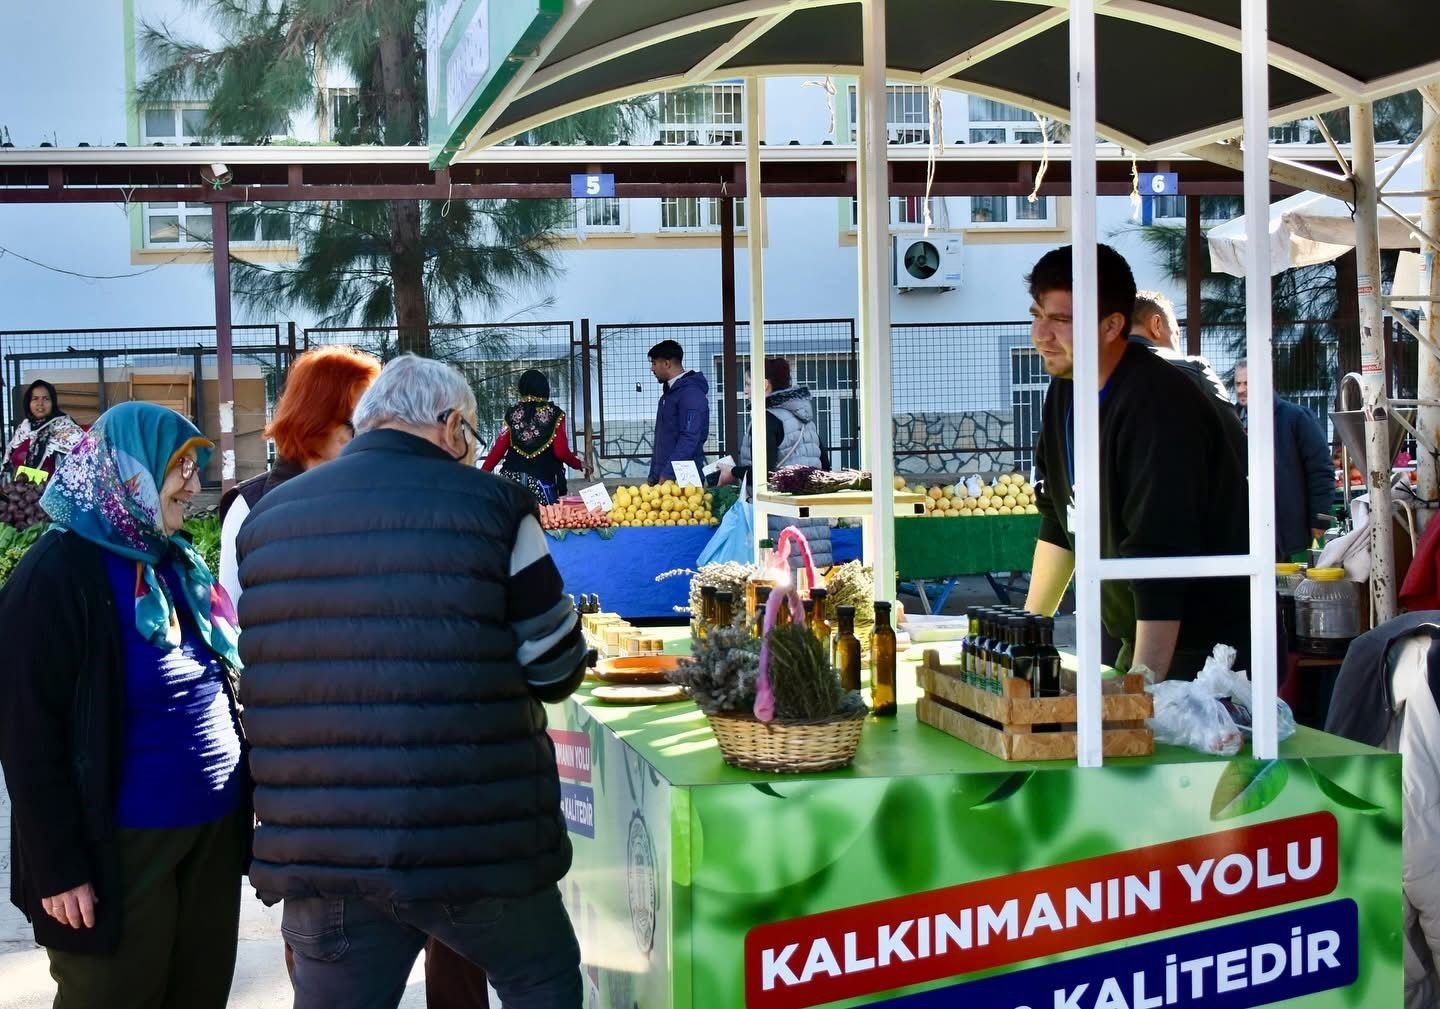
(94, 369)
(492, 357)
(967, 396)
(822, 355)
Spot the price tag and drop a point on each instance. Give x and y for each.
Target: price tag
(33, 475)
(718, 464)
(597, 497)
(686, 474)
(591, 187)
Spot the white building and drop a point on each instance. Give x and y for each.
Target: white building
(72, 64)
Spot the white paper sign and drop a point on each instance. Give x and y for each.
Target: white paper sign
(686, 474)
(715, 466)
(597, 497)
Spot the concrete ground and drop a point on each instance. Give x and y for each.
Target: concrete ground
(260, 979)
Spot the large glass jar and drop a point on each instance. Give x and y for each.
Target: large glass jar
(1288, 578)
(1327, 612)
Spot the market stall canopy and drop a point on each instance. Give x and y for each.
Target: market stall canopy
(1307, 228)
(1169, 74)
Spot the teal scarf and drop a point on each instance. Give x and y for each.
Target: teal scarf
(108, 492)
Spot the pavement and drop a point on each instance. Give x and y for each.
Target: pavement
(260, 978)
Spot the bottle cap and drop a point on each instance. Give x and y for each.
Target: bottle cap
(724, 597)
(708, 590)
(882, 607)
(846, 612)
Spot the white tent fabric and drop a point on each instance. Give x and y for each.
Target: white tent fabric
(1306, 229)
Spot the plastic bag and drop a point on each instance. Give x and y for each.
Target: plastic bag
(734, 539)
(1212, 714)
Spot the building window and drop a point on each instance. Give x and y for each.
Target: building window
(908, 212)
(189, 225)
(178, 124)
(597, 215)
(343, 112)
(907, 114)
(1028, 382)
(691, 213)
(709, 114)
(1164, 208)
(1289, 133)
(176, 224)
(1011, 211)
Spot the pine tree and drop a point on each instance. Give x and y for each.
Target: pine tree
(400, 262)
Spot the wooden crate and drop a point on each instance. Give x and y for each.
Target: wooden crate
(955, 707)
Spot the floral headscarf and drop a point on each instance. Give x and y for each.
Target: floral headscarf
(108, 492)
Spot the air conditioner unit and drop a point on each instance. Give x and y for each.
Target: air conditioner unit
(928, 263)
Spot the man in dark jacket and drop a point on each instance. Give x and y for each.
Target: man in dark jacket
(682, 421)
(1171, 480)
(402, 623)
(1153, 325)
(1304, 472)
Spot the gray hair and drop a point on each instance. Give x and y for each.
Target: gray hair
(414, 392)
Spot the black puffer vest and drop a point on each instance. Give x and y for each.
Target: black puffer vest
(396, 749)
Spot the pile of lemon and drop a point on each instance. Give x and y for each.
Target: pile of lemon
(666, 504)
(1009, 494)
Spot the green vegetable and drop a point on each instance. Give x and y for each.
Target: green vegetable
(204, 531)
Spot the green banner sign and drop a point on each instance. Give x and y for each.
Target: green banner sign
(475, 48)
(1175, 881)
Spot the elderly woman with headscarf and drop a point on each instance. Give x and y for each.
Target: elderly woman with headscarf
(44, 437)
(119, 732)
(533, 447)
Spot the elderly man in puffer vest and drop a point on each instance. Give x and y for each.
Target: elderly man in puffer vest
(402, 623)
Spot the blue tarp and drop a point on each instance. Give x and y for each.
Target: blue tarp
(622, 569)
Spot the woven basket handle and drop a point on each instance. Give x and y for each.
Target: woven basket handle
(764, 692)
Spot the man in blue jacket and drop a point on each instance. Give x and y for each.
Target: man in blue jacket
(1304, 471)
(682, 422)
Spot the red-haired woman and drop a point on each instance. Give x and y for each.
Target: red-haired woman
(311, 426)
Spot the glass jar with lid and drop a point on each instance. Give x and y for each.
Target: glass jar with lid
(1327, 612)
(1288, 578)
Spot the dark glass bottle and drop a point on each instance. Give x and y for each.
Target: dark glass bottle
(1047, 659)
(847, 649)
(882, 663)
(724, 609)
(1005, 666)
(762, 603)
(819, 622)
(968, 646)
(989, 648)
(707, 610)
(1025, 652)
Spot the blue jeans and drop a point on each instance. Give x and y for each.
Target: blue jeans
(353, 953)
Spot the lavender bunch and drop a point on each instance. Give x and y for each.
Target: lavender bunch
(720, 675)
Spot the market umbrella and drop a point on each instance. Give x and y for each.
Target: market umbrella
(1169, 72)
(1307, 228)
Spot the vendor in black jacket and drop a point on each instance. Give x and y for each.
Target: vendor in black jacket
(1172, 481)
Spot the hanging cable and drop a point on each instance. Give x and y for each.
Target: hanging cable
(83, 276)
(1135, 202)
(828, 86)
(937, 145)
(1034, 196)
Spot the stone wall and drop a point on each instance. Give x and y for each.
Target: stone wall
(967, 442)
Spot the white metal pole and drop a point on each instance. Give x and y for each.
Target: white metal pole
(874, 248)
(1086, 315)
(1372, 364)
(755, 245)
(1426, 419)
(1255, 69)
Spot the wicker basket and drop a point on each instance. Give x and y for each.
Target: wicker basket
(788, 747)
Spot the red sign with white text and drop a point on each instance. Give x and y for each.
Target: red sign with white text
(572, 754)
(976, 926)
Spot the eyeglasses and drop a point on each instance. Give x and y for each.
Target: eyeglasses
(444, 417)
(188, 468)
